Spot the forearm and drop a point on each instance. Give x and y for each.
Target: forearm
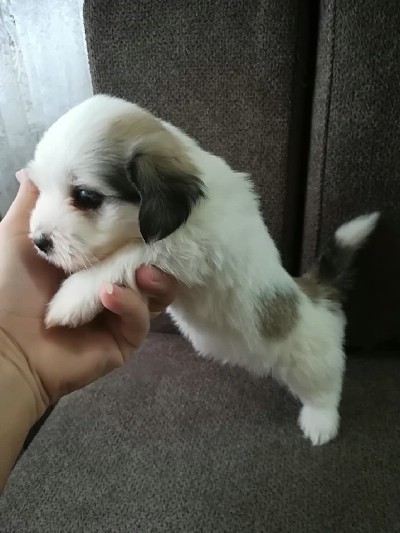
(18, 410)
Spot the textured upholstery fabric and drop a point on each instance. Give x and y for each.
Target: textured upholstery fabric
(163, 324)
(173, 442)
(354, 162)
(226, 72)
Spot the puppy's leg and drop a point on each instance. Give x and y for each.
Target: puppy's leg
(319, 389)
(78, 301)
(319, 423)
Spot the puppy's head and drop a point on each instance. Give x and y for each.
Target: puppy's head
(109, 173)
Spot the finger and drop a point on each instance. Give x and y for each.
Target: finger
(24, 202)
(160, 287)
(133, 316)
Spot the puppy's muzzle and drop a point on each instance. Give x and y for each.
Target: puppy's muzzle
(44, 243)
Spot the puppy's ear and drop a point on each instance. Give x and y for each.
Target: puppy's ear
(168, 192)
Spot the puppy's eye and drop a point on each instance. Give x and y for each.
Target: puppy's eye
(86, 199)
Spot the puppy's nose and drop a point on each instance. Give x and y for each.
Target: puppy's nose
(44, 243)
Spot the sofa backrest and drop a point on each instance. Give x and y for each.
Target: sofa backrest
(239, 77)
(226, 72)
(354, 158)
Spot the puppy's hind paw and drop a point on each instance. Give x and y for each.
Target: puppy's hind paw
(319, 425)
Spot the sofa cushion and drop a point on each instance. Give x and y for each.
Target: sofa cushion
(173, 442)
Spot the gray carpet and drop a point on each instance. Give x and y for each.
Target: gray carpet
(175, 443)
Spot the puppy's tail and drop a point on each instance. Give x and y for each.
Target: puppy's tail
(332, 274)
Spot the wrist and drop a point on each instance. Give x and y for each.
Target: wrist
(19, 408)
(18, 387)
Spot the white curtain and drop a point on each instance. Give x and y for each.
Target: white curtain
(43, 72)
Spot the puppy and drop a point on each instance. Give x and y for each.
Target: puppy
(120, 188)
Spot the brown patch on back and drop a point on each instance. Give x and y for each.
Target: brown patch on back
(279, 313)
(315, 290)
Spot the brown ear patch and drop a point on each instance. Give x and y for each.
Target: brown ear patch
(159, 174)
(279, 313)
(168, 194)
(134, 126)
(146, 135)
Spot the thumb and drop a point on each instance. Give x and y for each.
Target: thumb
(132, 313)
(21, 208)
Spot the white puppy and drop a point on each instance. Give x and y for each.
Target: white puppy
(120, 188)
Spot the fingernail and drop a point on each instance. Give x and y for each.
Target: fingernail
(109, 288)
(20, 176)
(156, 275)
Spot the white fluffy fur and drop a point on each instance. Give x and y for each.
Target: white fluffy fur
(223, 257)
(355, 232)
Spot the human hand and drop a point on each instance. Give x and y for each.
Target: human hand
(54, 362)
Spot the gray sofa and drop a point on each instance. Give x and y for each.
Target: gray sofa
(305, 96)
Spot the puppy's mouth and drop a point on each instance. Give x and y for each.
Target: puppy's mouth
(66, 255)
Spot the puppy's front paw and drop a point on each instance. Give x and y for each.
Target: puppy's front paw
(74, 304)
(319, 425)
